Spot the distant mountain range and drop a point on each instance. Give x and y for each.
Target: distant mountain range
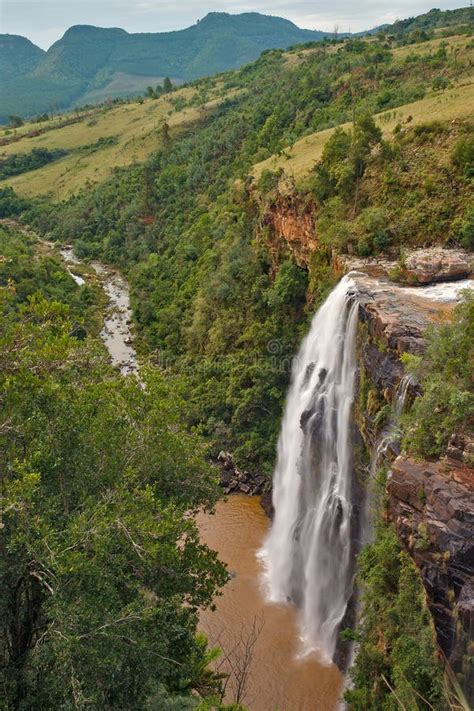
(89, 64)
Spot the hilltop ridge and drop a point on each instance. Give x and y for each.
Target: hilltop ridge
(88, 58)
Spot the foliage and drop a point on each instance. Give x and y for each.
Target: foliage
(463, 155)
(22, 162)
(15, 121)
(445, 372)
(396, 664)
(11, 204)
(102, 568)
(402, 197)
(345, 158)
(25, 271)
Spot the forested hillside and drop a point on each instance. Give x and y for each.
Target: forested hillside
(190, 226)
(230, 205)
(102, 573)
(87, 63)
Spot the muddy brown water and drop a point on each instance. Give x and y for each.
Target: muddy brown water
(278, 679)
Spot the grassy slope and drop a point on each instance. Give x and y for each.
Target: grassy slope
(446, 105)
(136, 126)
(454, 102)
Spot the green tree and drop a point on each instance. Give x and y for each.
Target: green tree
(102, 569)
(15, 121)
(167, 85)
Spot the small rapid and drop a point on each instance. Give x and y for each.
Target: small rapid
(116, 333)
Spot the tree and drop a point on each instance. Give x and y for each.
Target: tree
(165, 134)
(15, 121)
(167, 85)
(102, 568)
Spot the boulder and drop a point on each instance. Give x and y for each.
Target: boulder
(427, 266)
(420, 266)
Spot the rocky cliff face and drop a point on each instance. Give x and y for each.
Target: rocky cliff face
(290, 224)
(430, 503)
(432, 506)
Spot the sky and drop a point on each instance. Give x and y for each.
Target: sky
(45, 21)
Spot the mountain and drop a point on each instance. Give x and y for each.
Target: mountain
(89, 64)
(18, 56)
(88, 60)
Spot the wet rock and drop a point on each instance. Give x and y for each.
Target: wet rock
(267, 502)
(225, 477)
(232, 479)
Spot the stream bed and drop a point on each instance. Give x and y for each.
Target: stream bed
(116, 333)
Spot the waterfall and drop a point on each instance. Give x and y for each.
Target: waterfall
(392, 434)
(309, 552)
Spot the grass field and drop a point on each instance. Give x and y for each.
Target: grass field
(447, 105)
(457, 44)
(136, 127)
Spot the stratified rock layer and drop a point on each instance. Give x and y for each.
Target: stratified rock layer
(432, 506)
(428, 266)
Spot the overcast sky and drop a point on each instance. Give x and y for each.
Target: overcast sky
(45, 21)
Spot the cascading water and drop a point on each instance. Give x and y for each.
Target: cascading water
(309, 553)
(392, 434)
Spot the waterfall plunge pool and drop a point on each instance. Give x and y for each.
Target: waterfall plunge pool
(279, 679)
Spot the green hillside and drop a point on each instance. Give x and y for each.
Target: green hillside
(183, 223)
(89, 59)
(18, 56)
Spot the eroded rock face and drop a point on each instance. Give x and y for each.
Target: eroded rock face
(396, 317)
(419, 267)
(291, 224)
(427, 266)
(432, 507)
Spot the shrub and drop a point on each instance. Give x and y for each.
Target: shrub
(375, 221)
(463, 155)
(447, 403)
(440, 83)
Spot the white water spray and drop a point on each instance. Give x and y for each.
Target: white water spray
(309, 551)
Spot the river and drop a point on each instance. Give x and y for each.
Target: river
(278, 680)
(116, 332)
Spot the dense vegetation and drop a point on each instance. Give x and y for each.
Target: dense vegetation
(378, 196)
(396, 664)
(23, 162)
(445, 372)
(102, 572)
(24, 271)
